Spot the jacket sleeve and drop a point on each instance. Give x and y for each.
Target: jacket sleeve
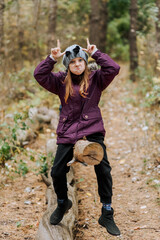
(47, 79)
(109, 69)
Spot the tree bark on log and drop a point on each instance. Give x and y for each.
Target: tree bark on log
(64, 230)
(84, 151)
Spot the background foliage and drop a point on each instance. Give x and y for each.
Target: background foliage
(25, 44)
(25, 40)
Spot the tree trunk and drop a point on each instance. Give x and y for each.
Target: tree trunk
(103, 24)
(158, 22)
(1, 26)
(94, 31)
(158, 38)
(52, 24)
(20, 37)
(37, 8)
(158, 30)
(132, 40)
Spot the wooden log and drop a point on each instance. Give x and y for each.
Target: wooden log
(64, 230)
(87, 153)
(90, 153)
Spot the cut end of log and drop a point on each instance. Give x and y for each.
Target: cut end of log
(88, 152)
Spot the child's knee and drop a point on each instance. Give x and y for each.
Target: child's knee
(55, 174)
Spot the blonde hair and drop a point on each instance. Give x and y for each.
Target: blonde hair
(84, 84)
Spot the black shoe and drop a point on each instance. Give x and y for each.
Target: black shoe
(107, 221)
(59, 212)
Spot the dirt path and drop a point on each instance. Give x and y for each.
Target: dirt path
(131, 148)
(22, 201)
(22, 204)
(130, 152)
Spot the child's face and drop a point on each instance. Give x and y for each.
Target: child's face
(77, 66)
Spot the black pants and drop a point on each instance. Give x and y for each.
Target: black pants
(65, 153)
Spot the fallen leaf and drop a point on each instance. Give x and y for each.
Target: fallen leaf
(122, 161)
(89, 194)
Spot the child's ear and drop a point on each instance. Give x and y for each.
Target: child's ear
(68, 53)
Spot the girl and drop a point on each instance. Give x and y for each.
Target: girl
(79, 91)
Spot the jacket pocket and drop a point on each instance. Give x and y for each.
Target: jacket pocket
(92, 122)
(92, 115)
(62, 125)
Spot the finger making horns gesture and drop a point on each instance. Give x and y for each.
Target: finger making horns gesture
(56, 52)
(90, 47)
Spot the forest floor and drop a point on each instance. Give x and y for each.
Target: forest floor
(133, 154)
(131, 150)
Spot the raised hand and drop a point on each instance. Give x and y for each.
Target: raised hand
(90, 47)
(56, 52)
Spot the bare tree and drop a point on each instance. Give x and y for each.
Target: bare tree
(1, 25)
(98, 23)
(52, 24)
(158, 34)
(132, 39)
(37, 9)
(103, 24)
(94, 32)
(158, 22)
(20, 36)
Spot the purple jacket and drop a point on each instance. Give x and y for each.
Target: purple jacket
(80, 116)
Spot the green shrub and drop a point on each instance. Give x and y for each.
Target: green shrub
(22, 168)
(8, 138)
(148, 87)
(43, 165)
(117, 38)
